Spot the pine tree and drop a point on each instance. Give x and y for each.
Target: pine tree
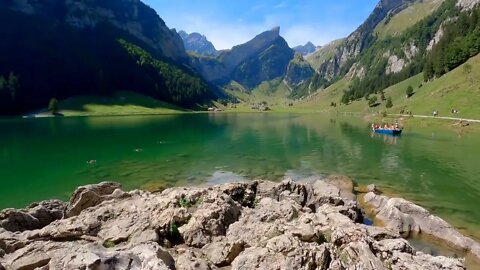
(389, 103)
(53, 105)
(382, 95)
(12, 85)
(409, 91)
(428, 71)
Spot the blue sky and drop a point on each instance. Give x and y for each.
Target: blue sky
(230, 22)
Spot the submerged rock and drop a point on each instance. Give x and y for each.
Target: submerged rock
(253, 225)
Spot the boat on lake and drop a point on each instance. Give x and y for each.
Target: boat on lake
(388, 131)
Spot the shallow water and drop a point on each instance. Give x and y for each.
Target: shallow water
(47, 158)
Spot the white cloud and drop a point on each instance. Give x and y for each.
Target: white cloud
(300, 34)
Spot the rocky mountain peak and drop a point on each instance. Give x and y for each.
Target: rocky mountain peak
(305, 49)
(198, 43)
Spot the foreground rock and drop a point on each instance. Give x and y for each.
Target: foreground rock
(36, 216)
(406, 217)
(254, 225)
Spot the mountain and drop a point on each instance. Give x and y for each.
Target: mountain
(438, 43)
(400, 42)
(64, 48)
(197, 43)
(306, 49)
(323, 54)
(263, 58)
(356, 42)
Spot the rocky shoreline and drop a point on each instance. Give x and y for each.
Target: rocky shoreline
(252, 225)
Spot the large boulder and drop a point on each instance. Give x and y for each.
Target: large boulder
(406, 217)
(36, 216)
(91, 195)
(84, 255)
(283, 252)
(358, 255)
(222, 253)
(190, 260)
(212, 219)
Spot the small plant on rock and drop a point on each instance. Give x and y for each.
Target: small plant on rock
(109, 244)
(184, 202)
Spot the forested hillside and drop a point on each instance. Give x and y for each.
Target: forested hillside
(47, 56)
(435, 45)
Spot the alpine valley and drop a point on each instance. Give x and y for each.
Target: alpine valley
(124, 45)
(186, 150)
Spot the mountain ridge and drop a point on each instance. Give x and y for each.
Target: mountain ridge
(198, 43)
(263, 58)
(306, 49)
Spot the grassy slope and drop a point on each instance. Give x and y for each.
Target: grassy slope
(122, 103)
(274, 92)
(323, 54)
(321, 100)
(407, 17)
(453, 90)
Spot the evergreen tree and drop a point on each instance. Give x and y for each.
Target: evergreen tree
(53, 105)
(467, 69)
(389, 103)
(12, 85)
(428, 71)
(372, 101)
(409, 91)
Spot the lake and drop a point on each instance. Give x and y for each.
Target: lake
(48, 158)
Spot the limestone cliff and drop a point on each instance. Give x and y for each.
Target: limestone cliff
(356, 42)
(198, 43)
(132, 16)
(263, 58)
(298, 71)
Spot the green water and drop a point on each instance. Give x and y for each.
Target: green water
(47, 158)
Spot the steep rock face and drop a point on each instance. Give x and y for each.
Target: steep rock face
(267, 65)
(468, 4)
(132, 16)
(358, 40)
(263, 58)
(306, 49)
(299, 72)
(198, 43)
(395, 64)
